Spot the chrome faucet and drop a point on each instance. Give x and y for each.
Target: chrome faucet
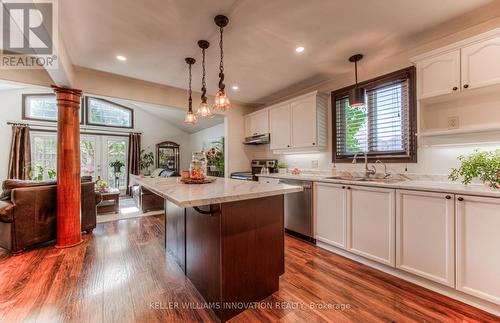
(386, 173)
(368, 171)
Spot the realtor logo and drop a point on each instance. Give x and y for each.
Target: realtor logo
(28, 34)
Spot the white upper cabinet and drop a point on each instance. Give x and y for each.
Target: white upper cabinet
(425, 235)
(280, 118)
(439, 75)
(481, 64)
(478, 246)
(468, 64)
(304, 122)
(371, 223)
(330, 213)
(299, 124)
(257, 123)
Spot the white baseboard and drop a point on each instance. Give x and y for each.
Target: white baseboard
(438, 288)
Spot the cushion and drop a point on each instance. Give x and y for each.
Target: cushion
(156, 172)
(10, 184)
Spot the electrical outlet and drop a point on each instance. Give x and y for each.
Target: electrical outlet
(314, 164)
(453, 122)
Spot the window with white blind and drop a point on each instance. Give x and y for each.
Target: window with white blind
(385, 127)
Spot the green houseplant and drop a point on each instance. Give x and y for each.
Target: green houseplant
(478, 165)
(117, 166)
(147, 159)
(282, 166)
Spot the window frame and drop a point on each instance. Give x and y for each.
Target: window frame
(87, 113)
(388, 157)
(25, 116)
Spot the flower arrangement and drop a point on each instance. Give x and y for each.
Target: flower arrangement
(479, 165)
(215, 156)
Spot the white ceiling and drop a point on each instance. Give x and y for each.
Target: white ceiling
(156, 36)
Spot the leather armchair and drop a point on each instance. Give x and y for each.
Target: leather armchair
(28, 212)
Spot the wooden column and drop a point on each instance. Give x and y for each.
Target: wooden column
(69, 231)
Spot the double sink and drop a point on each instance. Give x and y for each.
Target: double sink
(367, 179)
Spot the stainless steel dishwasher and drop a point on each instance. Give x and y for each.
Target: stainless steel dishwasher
(298, 210)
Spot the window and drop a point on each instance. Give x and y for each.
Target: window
(43, 152)
(104, 113)
(385, 127)
(39, 107)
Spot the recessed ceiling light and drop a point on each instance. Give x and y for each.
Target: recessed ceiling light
(299, 49)
(121, 58)
(235, 87)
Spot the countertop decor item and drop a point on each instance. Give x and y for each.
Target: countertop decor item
(479, 165)
(190, 117)
(198, 166)
(205, 180)
(282, 167)
(295, 171)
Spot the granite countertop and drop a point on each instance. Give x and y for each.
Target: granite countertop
(221, 191)
(412, 184)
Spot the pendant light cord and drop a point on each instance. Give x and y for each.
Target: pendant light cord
(190, 90)
(221, 66)
(203, 80)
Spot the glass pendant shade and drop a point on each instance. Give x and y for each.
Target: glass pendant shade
(204, 110)
(357, 97)
(222, 102)
(190, 118)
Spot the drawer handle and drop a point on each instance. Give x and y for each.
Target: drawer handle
(466, 86)
(460, 199)
(209, 212)
(448, 197)
(455, 88)
(343, 186)
(348, 187)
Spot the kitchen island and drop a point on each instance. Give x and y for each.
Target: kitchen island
(227, 236)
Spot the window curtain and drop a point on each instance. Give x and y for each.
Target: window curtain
(134, 156)
(20, 153)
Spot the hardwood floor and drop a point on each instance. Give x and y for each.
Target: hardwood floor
(121, 274)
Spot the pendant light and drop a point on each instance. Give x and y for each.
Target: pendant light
(203, 109)
(221, 100)
(357, 96)
(190, 117)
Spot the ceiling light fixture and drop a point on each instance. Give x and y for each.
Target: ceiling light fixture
(121, 58)
(222, 102)
(357, 97)
(299, 49)
(204, 109)
(190, 117)
(235, 87)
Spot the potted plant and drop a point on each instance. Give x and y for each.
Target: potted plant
(147, 159)
(479, 165)
(102, 186)
(282, 167)
(117, 166)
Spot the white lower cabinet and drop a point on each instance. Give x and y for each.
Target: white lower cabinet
(478, 246)
(425, 235)
(371, 223)
(330, 211)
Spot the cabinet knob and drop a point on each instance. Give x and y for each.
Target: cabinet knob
(466, 86)
(448, 197)
(314, 143)
(455, 88)
(343, 186)
(460, 199)
(348, 187)
(288, 145)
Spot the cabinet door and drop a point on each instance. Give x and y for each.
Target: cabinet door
(330, 213)
(439, 75)
(304, 122)
(280, 120)
(259, 123)
(371, 223)
(425, 235)
(478, 246)
(481, 64)
(248, 126)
